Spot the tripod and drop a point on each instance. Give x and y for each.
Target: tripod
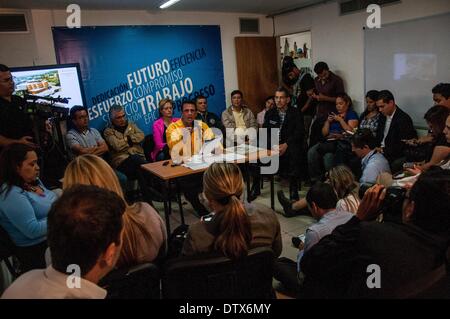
(53, 154)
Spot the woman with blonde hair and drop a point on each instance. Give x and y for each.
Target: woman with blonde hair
(345, 186)
(144, 236)
(235, 226)
(160, 151)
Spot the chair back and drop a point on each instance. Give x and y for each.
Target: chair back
(138, 282)
(148, 145)
(218, 277)
(7, 249)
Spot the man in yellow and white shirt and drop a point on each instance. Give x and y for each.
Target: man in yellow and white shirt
(186, 132)
(185, 137)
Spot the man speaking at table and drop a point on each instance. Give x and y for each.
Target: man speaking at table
(185, 138)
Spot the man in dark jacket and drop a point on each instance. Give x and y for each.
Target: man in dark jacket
(291, 136)
(209, 118)
(15, 124)
(362, 259)
(393, 128)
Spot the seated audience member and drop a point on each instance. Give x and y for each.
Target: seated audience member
(394, 127)
(235, 226)
(343, 182)
(334, 150)
(209, 118)
(269, 103)
(144, 233)
(185, 138)
(370, 118)
(441, 94)
(237, 118)
(291, 135)
(322, 201)
(372, 162)
(441, 151)
(420, 149)
(328, 86)
(82, 139)
(410, 255)
(436, 118)
(161, 150)
(24, 204)
(124, 139)
(84, 237)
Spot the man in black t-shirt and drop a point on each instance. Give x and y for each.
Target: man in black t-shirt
(15, 124)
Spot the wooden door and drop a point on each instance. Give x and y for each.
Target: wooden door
(256, 59)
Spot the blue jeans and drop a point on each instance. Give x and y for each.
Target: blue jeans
(318, 164)
(122, 180)
(160, 157)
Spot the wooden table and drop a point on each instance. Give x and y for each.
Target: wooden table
(167, 172)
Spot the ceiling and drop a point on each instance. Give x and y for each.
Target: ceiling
(243, 6)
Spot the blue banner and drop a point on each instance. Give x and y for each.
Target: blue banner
(137, 66)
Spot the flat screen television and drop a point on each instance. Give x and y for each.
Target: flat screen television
(59, 85)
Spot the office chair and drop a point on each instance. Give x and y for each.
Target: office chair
(7, 248)
(213, 277)
(148, 145)
(137, 282)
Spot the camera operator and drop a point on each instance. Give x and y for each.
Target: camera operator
(15, 125)
(410, 256)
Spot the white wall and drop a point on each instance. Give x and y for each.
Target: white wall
(339, 40)
(17, 49)
(37, 47)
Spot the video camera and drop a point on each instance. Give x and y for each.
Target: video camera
(392, 205)
(46, 110)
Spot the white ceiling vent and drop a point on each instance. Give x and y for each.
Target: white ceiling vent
(13, 23)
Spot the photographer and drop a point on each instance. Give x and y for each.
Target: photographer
(15, 124)
(372, 162)
(410, 256)
(322, 201)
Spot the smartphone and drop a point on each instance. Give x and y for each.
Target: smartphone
(408, 165)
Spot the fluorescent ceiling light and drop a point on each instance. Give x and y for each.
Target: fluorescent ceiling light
(168, 4)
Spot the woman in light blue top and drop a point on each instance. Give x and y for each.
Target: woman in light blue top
(24, 204)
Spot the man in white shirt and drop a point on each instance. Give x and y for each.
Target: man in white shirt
(322, 200)
(372, 162)
(84, 236)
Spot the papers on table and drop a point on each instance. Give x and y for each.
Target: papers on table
(195, 166)
(244, 149)
(198, 162)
